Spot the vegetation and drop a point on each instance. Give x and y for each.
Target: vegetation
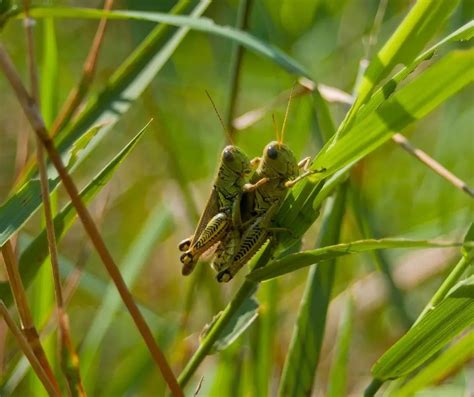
(108, 149)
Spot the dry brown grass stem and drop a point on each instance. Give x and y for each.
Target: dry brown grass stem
(24, 312)
(69, 358)
(37, 123)
(28, 352)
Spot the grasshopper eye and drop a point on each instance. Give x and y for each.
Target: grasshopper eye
(272, 152)
(227, 155)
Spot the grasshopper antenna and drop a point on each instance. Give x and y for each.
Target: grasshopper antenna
(275, 128)
(227, 132)
(282, 134)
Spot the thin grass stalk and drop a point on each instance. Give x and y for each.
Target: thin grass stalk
(28, 352)
(244, 292)
(79, 92)
(68, 354)
(243, 16)
(447, 284)
(121, 77)
(432, 164)
(27, 326)
(37, 123)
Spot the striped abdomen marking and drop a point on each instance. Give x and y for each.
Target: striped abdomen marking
(213, 231)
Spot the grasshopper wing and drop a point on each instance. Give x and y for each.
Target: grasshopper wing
(212, 208)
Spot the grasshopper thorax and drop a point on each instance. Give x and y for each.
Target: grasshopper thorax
(278, 162)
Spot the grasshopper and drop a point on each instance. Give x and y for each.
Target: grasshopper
(279, 167)
(222, 206)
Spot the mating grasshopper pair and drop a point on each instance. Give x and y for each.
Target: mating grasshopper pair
(240, 210)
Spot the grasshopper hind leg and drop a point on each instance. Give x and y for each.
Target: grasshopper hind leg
(212, 233)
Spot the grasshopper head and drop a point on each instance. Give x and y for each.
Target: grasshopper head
(279, 161)
(236, 160)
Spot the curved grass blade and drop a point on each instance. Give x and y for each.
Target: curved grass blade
(454, 314)
(447, 364)
(418, 27)
(36, 253)
(199, 24)
(297, 261)
(465, 32)
(412, 102)
(455, 274)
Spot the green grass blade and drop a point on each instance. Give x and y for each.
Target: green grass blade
(412, 102)
(154, 229)
(49, 73)
(267, 323)
(240, 321)
(339, 369)
(454, 314)
(297, 210)
(415, 31)
(36, 253)
(246, 290)
(24, 203)
(305, 347)
(455, 274)
(127, 83)
(199, 24)
(293, 262)
(447, 364)
(465, 32)
(42, 292)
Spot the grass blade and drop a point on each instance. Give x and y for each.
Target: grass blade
(454, 314)
(42, 293)
(303, 259)
(200, 24)
(339, 368)
(456, 273)
(125, 85)
(421, 23)
(412, 102)
(33, 256)
(305, 347)
(240, 321)
(442, 367)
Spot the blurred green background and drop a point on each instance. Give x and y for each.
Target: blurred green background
(179, 152)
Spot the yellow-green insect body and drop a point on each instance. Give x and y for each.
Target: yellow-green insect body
(234, 169)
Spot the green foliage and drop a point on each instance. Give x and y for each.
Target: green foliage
(446, 320)
(178, 56)
(36, 252)
(293, 262)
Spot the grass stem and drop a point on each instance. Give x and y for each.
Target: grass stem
(31, 111)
